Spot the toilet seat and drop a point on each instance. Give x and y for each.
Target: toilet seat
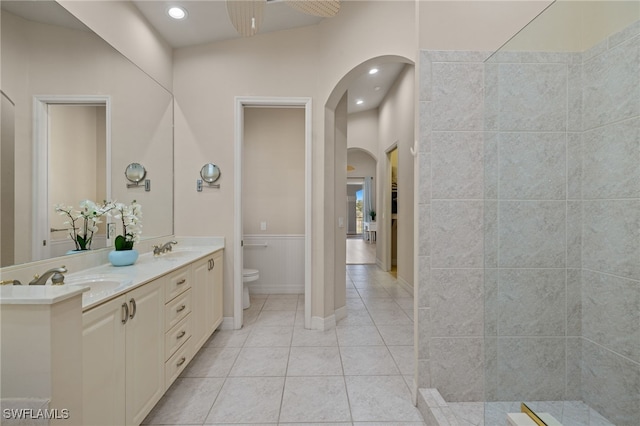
(249, 275)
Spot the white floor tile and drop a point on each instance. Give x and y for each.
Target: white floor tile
(248, 400)
(315, 399)
(265, 336)
(314, 361)
(397, 335)
(304, 337)
(255, 362)
(211, 362)
(367, 361)
(380, 399)
(359, 336)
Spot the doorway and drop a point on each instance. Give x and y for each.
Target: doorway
(242, 103)
(73, 163)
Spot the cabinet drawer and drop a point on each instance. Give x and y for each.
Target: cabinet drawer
(177, 309)
(177, 282)
(174, 366)
(175, 337)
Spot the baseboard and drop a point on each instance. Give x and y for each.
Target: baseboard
(405, 285)
(323, 324)
(341, 313)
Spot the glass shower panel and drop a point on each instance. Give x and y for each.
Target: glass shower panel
(562, 217)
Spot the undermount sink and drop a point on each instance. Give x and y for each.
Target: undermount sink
(99, 284)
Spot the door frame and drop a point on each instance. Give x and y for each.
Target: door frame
(41, 164)
(269, 102)
(387, 261)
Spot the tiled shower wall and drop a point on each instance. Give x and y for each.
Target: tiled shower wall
(530, 226)
(608, 163)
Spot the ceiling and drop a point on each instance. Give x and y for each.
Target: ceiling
(208, 22)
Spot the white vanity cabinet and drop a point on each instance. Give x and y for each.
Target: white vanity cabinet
(207, 296)
(123, 356)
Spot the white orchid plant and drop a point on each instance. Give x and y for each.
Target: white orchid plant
(131, 217)
(83, 223)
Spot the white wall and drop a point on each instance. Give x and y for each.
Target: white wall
(121, 24)
(396, 125)
(302, 62)
(363, 131)
(273, 171)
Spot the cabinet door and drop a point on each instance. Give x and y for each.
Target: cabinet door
(145, 350)
(216, 297)
(103, 364)
(200, 302)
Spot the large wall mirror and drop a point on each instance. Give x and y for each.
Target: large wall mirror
(79, 112)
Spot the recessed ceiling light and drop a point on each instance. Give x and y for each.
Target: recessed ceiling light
(376, 88)
(177, 12)
(373, 70)
(359, 102)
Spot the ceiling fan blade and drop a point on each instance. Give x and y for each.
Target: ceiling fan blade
(246, 15)
(322, 8)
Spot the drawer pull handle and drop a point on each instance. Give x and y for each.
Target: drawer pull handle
(125, 313)
(134, 308)
(181, 308)
(182, 281)
(182, 360)
(181, 335)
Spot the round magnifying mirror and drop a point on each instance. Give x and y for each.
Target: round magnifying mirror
(135, 172)
(210, 173)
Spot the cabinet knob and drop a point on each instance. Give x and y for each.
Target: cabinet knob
(182, 281)
(181, 308)
(181, 335)
(182, 360)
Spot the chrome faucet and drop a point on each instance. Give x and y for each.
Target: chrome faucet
(56, 277)
(164, 248)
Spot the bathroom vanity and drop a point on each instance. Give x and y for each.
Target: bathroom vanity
(111, 340)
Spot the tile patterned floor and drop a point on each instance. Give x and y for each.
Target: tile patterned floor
(275, 372)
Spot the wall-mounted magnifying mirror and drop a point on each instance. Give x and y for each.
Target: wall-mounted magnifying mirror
(210, 173)
(135, 173)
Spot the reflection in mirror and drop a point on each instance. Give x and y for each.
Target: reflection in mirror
(7, 187)
(135, 172)
(210, 173)
(47, 52)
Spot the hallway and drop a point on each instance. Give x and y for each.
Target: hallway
(275, 372)
(360, 252)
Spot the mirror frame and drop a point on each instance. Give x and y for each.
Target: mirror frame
(135, 173)
(210, 173)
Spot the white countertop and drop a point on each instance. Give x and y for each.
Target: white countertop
(147, 268)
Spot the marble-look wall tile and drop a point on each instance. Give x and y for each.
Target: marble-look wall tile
(457, 302)
(424, 230)
(607, 169)
(458, 168)
(574, 166)
(574, 234)
(424, 374)
(457, 234)
(424, 332)
(624, 35)
(457, 96)
(491, 169)
(491, 99)
(425, 126)
(424, 276)
(531, 302)
(574, 93)
(491, 234)
(491, 278)
(574, 302)
(458, 56)
(611, 384)
(532, 234)
(611, 313)
(532, 166)
(573, 388)
(457, 368)
(491, 369)
(424, 173)
(531, 368)
(533, 97)
(611, 90)
(611, 237)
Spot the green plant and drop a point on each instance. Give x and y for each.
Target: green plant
(89, 217)
(372, 213)
(131, 217)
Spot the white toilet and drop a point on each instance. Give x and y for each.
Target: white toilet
(248, 275)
